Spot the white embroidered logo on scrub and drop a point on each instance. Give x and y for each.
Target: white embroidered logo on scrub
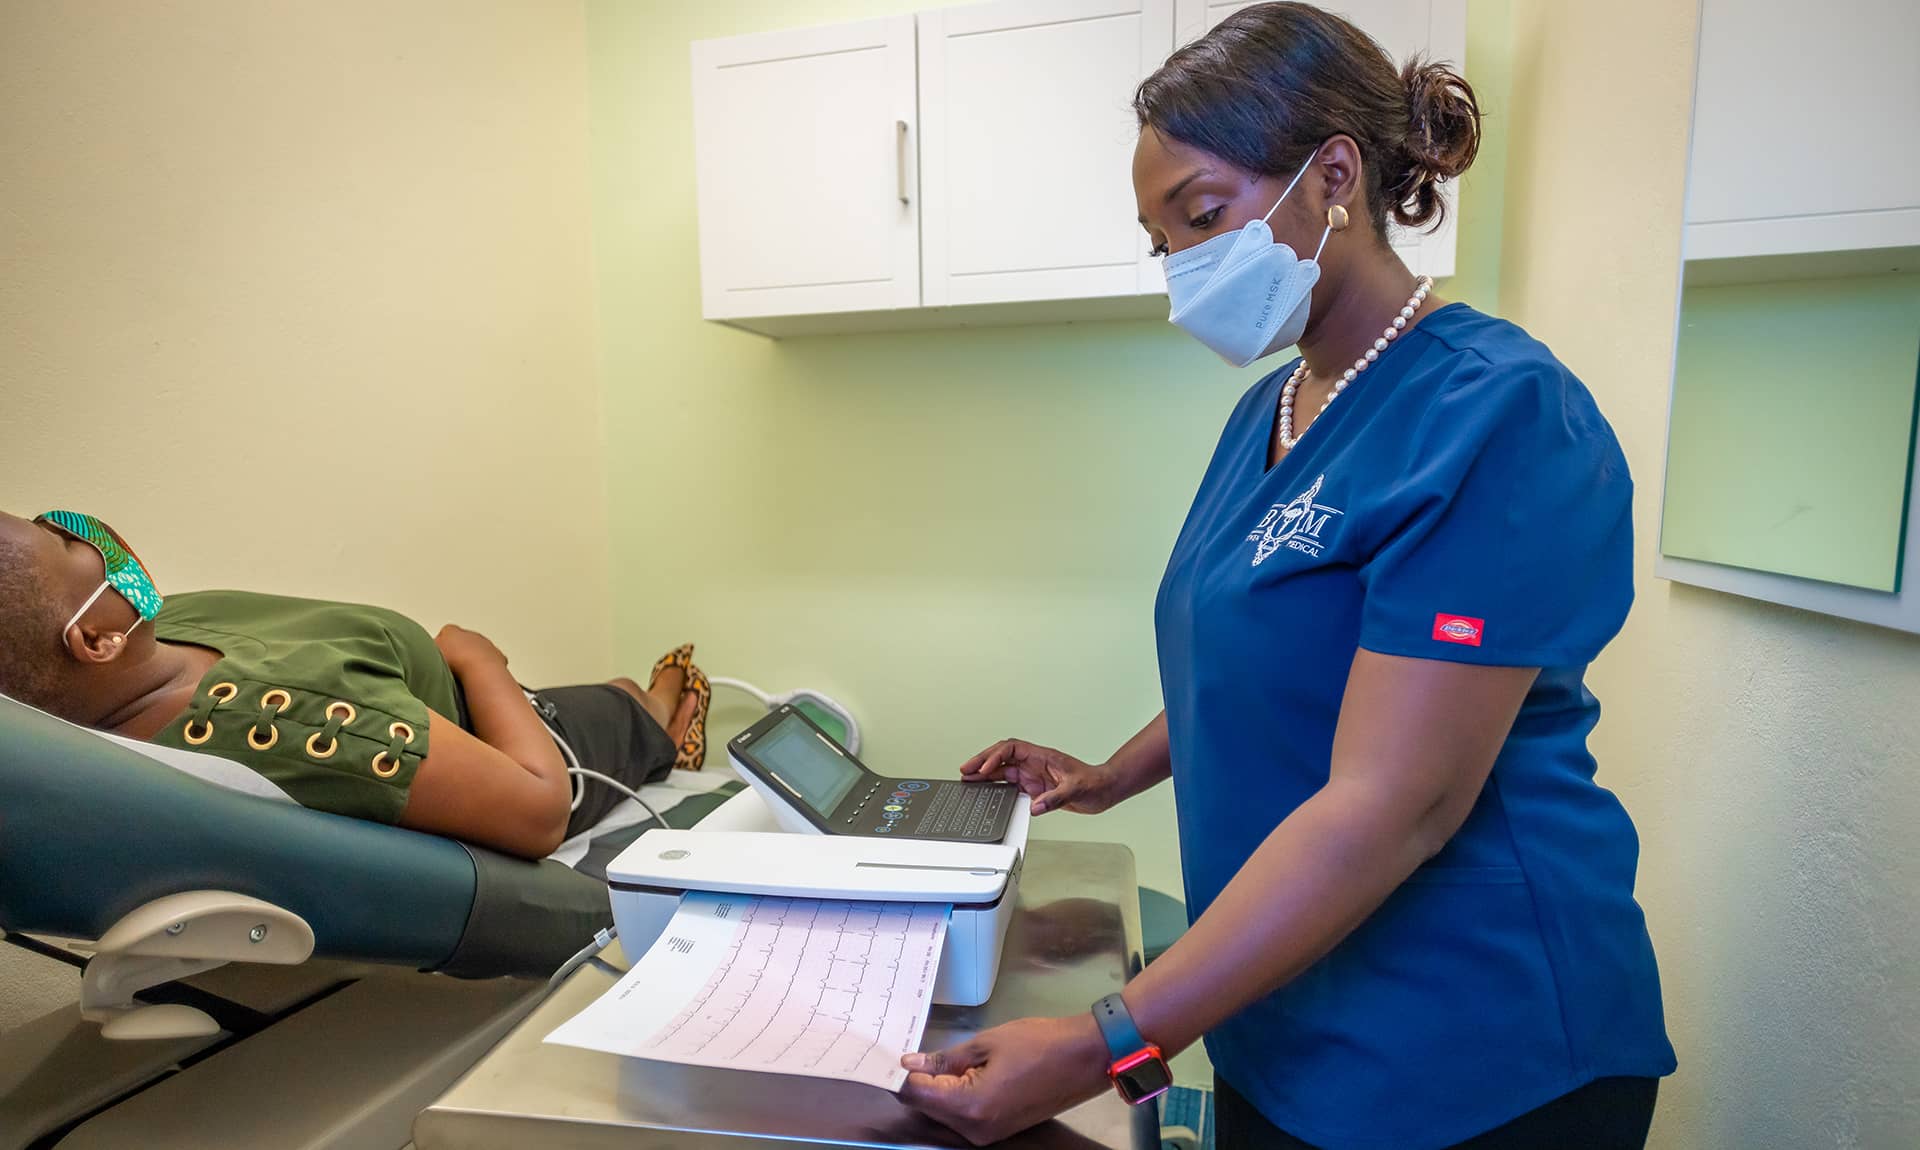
(1295, 525)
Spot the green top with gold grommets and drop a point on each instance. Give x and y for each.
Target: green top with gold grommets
(328, 701)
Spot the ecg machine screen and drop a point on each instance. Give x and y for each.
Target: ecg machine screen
(804, 761)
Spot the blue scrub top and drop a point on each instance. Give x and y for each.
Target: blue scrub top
(1463, 500)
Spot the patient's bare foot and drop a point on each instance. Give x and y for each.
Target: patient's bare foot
(668, 701)
(683, 717)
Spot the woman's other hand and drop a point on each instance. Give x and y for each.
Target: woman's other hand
(1053, 779)
(1006, 1079)
(463, 648)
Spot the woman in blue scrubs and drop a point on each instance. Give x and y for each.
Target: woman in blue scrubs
(1414, 922)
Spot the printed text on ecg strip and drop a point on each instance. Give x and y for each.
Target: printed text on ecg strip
(848, 962)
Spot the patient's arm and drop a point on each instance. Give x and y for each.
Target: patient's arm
(505, 786)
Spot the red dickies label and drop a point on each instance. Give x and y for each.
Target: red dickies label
(1458, 629)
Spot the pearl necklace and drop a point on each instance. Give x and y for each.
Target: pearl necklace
(1399, 324)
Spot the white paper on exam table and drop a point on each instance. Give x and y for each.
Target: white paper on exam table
(825, 988)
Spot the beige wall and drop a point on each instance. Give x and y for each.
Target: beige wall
(1769, 756)
(299, 296)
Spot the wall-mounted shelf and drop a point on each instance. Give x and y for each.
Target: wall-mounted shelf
(1791, 458)
(1802, 266)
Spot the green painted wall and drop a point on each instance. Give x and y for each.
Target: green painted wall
(959, 533)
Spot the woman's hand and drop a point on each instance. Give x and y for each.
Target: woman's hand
(1009, 1078)
(463, 648)
(1053, 779)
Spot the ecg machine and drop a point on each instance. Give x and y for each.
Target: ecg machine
(761, 842)
(815, 786)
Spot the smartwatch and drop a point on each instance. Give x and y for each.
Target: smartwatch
(1136, 1066)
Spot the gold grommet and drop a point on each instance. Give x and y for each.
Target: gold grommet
(187, 733)
(385, 772)
(267, 700)
(224, 692)
(332, 746)
(348, 707)
(396, 728)
(1337, 218)
(253, 740)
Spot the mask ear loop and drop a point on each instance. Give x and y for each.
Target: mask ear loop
(91, 600)
(1336, 222)
(1290, 183)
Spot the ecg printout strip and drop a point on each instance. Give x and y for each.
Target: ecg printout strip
(821, 987)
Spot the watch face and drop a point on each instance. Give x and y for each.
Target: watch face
(1142, 1077)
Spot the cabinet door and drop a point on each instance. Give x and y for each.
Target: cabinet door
(803, 151)
(1027, 152)
(1436, 29)
(1803, 128)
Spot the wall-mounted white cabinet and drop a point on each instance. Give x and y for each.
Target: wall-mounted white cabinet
(1026, 149)
(1804, 128)
(965, 165)
(1435, 29)
(803, 152)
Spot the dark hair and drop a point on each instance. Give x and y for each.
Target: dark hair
(1273, 82)
(29, 631)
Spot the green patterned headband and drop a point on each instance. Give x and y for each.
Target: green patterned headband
(125, 573)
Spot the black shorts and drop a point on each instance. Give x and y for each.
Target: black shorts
(609, 732)
(1605, 1114)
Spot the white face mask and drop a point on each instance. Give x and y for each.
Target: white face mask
(1242, 294)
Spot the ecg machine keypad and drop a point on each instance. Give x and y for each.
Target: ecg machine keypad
(864, 800)
(963, 810)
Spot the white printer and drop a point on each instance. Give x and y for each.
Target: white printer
(770, 840)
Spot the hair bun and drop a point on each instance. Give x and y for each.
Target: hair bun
(1443, 136)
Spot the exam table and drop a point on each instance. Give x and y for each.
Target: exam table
(254, 973)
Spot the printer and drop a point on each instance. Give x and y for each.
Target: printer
(749, 846)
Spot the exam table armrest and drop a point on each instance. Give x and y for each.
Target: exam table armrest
(178, 936)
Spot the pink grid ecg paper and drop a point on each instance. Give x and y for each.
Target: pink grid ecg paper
(818, 987)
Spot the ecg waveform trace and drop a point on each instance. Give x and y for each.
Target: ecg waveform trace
(820, 987)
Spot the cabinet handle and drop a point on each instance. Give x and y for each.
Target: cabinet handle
(900, 159)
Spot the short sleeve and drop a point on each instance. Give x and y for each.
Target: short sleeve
(351, 747)
(1508, 539)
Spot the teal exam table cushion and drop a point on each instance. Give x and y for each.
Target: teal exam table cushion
(90, 830)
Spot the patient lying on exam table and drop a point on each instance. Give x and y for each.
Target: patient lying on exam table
(349, 709)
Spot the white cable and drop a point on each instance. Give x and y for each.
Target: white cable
(765, 699)
(576, 771)
(825, 702)
(616, 784)
(602, 939)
